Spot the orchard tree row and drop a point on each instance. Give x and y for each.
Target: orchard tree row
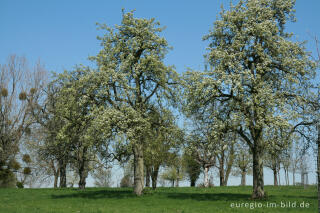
(254, 105)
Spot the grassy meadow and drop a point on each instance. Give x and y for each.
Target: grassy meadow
(176, 200)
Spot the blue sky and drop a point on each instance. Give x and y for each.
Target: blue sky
(63, 33)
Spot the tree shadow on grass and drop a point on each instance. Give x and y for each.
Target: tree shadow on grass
(209, 196)
(97, 194)
(128, 193)
(315, 197)
(124, 194)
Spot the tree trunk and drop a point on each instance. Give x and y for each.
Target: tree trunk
(243, 178)
(178, 177)
(56, 177)
(293, 177)
(221, 169)
(63, 173)
(275, 177)
(206, 176)
(83, 168)
(279, 181)
(192, 183)
(154, 176)
(82, 180)
(56, 174)
(285, 176)
(138, 169)
(148, 174)
(229, 165)
(226, 177)
(258, 184)
(83, 174)
(307, 180)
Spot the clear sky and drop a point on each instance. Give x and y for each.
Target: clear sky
(62, 33)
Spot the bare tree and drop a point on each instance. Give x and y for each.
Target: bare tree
(294, 158)
(45, 167)
(225, 156)
(304, 169)
(102, 177)
(205, 155)
(52, 153)
(17, 83)
(286, 163)
(272, 161)
(243, 162)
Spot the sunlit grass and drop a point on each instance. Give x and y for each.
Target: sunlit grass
(184, 199)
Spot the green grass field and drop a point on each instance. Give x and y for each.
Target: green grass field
(98, 200)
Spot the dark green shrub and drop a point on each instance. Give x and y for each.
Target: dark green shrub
(23, 96)
(26, 158)
(7, 179)
(27, 171)
(20, 185)
(13, 164)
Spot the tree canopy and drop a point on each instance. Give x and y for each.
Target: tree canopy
(257, 70)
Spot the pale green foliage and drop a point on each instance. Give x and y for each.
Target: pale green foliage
(203, 146)
(74, 106)
(164, 139)
(131, 78)
(243, 160)
(132, 82)
(277, 141)
(191, 167)
(254, 66)
(257, 71)
(172, 174)
(45, 146)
